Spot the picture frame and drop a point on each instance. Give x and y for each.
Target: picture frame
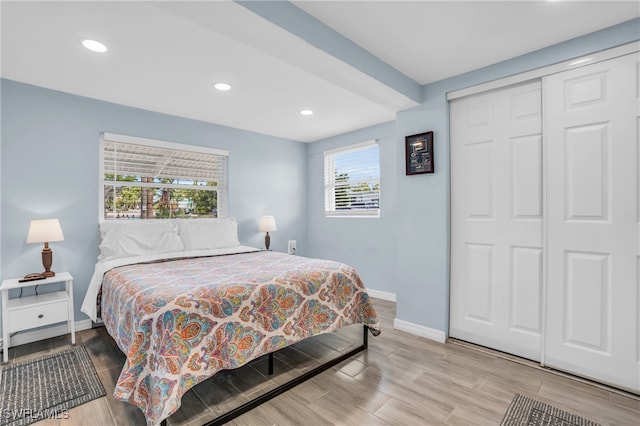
(419, 153)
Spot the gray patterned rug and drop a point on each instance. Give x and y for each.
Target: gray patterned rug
(47, 387)
(524, 411)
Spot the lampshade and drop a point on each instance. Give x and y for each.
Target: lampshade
(44, 231)
(267, 224)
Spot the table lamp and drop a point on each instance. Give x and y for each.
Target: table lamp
(45, 231)
(267, 224)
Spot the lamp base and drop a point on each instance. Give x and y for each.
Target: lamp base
(267, 241)
(47, 261)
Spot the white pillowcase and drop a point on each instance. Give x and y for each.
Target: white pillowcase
(138, 237)
(203, 234)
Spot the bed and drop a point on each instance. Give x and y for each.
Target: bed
(183, 300)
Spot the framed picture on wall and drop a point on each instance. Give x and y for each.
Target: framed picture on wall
(419, 153)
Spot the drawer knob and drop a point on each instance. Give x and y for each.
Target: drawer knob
(40, 316)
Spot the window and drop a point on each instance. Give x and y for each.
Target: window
(148, 179)
(352, 181)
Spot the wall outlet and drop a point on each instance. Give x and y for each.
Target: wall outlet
(292, 247)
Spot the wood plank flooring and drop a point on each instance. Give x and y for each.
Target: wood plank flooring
(400, 380)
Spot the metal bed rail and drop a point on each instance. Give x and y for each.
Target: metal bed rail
(261, 399)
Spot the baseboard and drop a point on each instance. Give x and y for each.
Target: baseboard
(24, 337)
(391, 297)
(420, 330)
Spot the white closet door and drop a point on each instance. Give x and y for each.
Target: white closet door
(496, 215)
(591, 160)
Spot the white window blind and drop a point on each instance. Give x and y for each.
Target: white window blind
(352, 180)
(145, 179)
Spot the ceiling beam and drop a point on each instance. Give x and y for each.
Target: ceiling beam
(298, 22)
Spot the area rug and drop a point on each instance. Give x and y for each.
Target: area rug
(47, 387)
(524, 411)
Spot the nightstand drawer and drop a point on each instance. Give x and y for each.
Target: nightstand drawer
(36, 316)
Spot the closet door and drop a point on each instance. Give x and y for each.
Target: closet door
(496, 216)
(593, 213)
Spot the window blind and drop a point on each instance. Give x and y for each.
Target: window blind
(121, 158)
(144, 178)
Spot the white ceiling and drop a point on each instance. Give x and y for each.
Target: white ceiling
(165, 56)
(432, 40)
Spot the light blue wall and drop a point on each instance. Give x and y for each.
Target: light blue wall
(364, 243)
(50, 166)
(406, 251)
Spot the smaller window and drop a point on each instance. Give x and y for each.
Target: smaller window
(352, 181)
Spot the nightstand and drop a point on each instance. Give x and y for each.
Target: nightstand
(23, 313)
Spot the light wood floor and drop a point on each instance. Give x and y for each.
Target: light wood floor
(400, 380)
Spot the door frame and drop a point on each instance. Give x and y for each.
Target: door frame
(586, 60)
(538, 73)
(569, 64)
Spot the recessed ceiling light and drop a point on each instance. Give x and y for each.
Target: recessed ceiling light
(223, 87)
(94, 46)
(306, 112)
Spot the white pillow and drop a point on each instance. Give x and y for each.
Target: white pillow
(203, 234)
(137, 237)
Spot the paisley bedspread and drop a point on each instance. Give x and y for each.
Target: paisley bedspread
(180, 321)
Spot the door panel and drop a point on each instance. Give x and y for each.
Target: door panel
(526, 166)
(496, 235)
(479, 295)
(526, 278)
(479, 197)
(587, 305)
(585, 90)
(592, 184)
(587, 171)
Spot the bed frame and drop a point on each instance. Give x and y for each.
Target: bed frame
(261, 399)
